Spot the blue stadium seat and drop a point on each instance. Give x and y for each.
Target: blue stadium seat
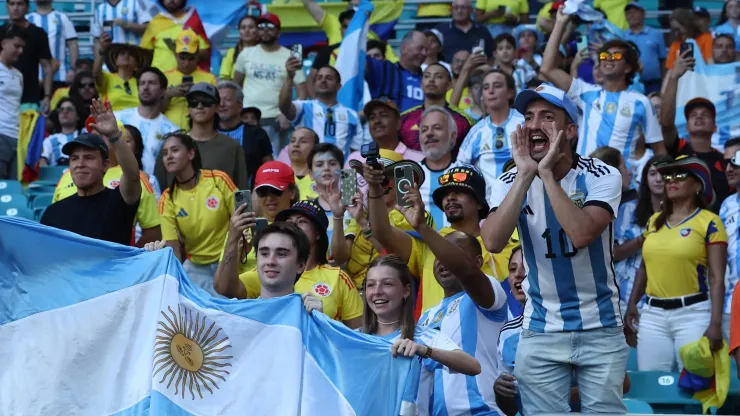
(638, 406)
(632, 360)
(40, 201)
(9, 186)
(41, 188)
(21, 212)
(14, 200)
(660, 390)
(51, 173)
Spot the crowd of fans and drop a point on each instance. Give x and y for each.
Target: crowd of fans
(555, 213)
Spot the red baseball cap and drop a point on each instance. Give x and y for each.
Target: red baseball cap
(271, 18)
(274, 174)
(556, 5)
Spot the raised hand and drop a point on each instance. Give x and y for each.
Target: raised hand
(684, 62)
(312, 303)
(105, 121)
(553, 156)
(415, 212)
(520, 150)
(357, 210)
(241, 221)
(292, 65)
(332, 195)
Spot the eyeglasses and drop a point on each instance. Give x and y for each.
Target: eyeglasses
(186, 56)
(499, 137)
(455, 177)
(87, 85)
(194, 102)
(675, 176)
(67, 109)
(264, 26)
(606, 56)
(264, 191)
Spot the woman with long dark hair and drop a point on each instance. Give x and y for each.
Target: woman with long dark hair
(195, 209)
(684, 26)
(82, 91)
(684, 257)
(247, 37)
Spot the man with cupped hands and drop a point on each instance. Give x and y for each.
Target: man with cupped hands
(564, 205)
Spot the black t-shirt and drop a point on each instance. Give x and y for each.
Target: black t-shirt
(256, 145)
(36, 49)
(715, 160)
(104, 216)
(323, 58)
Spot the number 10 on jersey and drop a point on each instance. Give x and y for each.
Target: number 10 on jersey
(566, 247)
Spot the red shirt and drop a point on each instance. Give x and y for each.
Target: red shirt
(411, 121)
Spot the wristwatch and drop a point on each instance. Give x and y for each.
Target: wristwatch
(427, 354)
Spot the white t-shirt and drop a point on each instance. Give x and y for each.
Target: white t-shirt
(152, 131)
(11, 89)
(59, 29)
(264, 75)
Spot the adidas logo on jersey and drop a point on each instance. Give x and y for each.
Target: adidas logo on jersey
(527, 210)
(182, 213)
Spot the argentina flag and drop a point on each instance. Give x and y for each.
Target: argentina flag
(351, 59)
(93, 328)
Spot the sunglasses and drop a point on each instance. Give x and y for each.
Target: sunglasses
(186, 56)
(676, 176)
(266, 26)
(66, 110)
(87, 85)
(456, 177)
(731, 162)
(264, 191)
(499, 137)
(194, 102)
(606, 56)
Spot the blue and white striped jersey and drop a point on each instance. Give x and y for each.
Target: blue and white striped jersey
(729, 215)
(337, 125)
(508, 341)
(152, 131)
(51, 149)
(488, 146)
(59, 29)
(431, 183)
(568, 289)
(625, 229)
(613, 119)
(476, 330)
(129, 11)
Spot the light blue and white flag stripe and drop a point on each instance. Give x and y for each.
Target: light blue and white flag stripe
(720, 84)
(351, 58)
(90, 327)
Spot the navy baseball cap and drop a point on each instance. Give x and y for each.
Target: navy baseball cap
(701, 11)
(89, 140)
(634, 4)
(554, 96)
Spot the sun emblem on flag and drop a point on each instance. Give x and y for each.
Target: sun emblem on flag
(191, 352)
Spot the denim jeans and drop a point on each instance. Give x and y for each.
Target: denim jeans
(201, 275)
(8, 157)
(547, 362)
(278, 139)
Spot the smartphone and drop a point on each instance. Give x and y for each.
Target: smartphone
(108, 28)
(686, 46)
(582, 43)
(403, 177)
(296, 51)
(502, 9)
(187, 79)
(348, 185)
(259, 225)
(481, 48)
(243, 198)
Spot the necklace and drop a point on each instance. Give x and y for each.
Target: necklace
(191, 178)
(389, 323)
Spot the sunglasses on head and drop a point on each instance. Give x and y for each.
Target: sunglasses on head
(675, 176)
(455, 177)
(614, 56)
(499, 137)
(194, 102)
(266, 26)
(264, 191)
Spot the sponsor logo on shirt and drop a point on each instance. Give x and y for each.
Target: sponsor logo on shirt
(415, 127)
(322, 289)
(212, 203)
(685, 232)
(485, 148)
(527, 210)
(182, 213)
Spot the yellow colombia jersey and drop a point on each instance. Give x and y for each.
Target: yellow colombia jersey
(114, 89)
(306, 187)
(146, 215)
(421, 264)
(434, 10)
(160, 33)
(676, 256)
(226, 72)
(338, 294)
(363, 251)
(333, 29)
(515, 7)
(201, 215)
(465, 102)
(177, 109)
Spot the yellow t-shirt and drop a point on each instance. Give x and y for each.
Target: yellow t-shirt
(421, 264)
(465, 102)
(114, 90)
(333, 29)
(227, 65)
(614, 10)
(306, 187)
(160, 33)
(434, 10)
(338, 294)
(200, 215)
(177, 109)
(516, 7)
(147, 214)
(544, 13)
(363, 251)
(59, 93)
(676, 256)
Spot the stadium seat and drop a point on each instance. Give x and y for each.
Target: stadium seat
(21, 212)
(41, 188)
(13, 200)
(632, 360)
(638, 407)
(40, 201)
(9, 186)
(49, 174)
(660, 390)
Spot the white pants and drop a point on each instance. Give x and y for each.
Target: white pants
(663, 332)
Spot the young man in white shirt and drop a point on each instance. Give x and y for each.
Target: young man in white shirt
(11, 89)
(62, 37)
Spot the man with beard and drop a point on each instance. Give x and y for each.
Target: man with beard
(333, 122)
(435, 83)
(148, 117)
(261, 71)
(729, 215)
(723, 49)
